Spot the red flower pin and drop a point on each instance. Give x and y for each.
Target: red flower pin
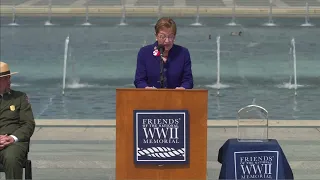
(156, 52)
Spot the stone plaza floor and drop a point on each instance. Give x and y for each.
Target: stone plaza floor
(59, 153)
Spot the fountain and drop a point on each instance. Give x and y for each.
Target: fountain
(218, 85)
(290, 60)
(197, 23)
(86, 21)
(270, 22)
(218, 64)
(295, 103)
(294, 65)
(307, 23)
(13, 23)
(123, 18)
(65, 64)
(48, 22)
(233, 20)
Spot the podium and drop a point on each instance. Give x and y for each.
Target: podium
(131, 101)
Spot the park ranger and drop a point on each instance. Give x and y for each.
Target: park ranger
(16, 125)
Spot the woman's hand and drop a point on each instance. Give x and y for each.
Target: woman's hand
(180, 88)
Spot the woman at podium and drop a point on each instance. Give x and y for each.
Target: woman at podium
(164, 64)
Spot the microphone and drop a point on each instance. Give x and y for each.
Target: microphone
(161, 49)
(162, 78)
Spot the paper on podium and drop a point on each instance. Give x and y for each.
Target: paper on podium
(252, 124)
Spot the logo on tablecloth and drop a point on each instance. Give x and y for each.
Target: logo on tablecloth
(161, 137)
(256, 165)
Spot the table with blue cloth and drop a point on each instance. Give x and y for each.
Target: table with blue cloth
(253, 160)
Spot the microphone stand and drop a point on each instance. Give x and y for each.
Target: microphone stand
(161, 72)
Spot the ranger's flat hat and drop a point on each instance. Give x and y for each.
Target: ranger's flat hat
(4, 70)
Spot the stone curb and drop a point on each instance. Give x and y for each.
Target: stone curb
(211, 123)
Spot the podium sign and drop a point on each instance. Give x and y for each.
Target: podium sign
(254, 165)
(161, 137)
(253, 124)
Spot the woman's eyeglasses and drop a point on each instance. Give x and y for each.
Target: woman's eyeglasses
(164, 37)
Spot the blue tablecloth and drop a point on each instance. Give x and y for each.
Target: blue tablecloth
(253, 160)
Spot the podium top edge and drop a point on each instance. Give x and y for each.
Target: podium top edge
(141, 89)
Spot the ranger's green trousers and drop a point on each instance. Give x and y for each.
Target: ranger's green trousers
(12, 158)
